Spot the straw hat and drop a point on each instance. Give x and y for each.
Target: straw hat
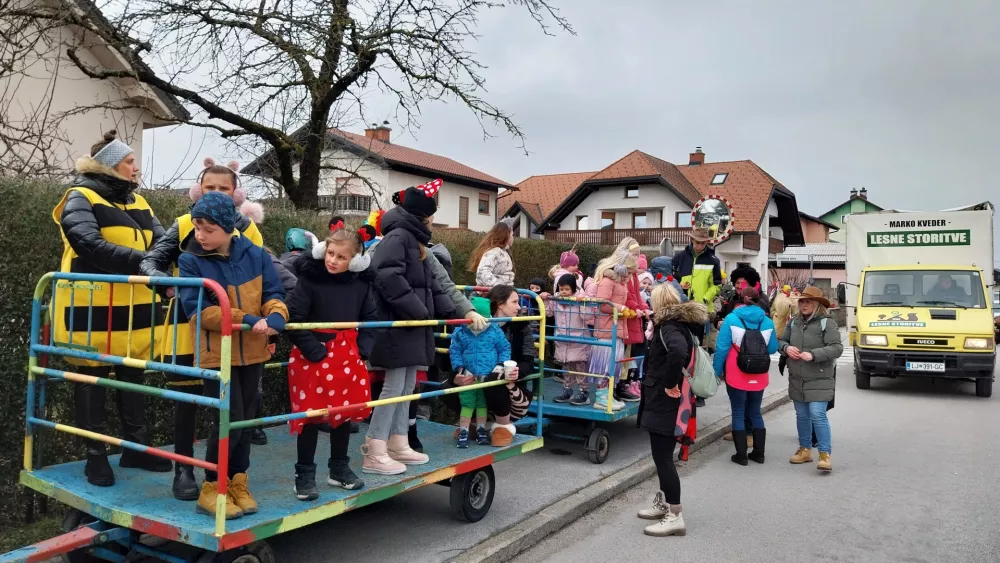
(815, 294)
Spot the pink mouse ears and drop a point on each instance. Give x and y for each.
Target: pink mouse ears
(239, 195)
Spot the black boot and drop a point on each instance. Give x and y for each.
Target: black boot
(342, 476)
(759, 440)
(148, 462)
(355, 427)
(740, 441)
(185, 485)
(132, 411)
(98, 470)
(305, 481)
(258, 437)
(415, 444)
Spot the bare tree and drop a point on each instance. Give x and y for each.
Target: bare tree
(277, 74)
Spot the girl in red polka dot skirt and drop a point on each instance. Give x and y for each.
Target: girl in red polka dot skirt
(326, 368)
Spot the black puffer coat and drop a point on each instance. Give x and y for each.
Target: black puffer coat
(83, 231)
(405, 290)
(669, 353)
(322, 297)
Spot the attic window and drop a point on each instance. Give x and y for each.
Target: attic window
(719, 179)
(632, 191)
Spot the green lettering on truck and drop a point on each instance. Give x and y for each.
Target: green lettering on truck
(920, 238)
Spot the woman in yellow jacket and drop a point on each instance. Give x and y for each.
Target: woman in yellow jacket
(178, 349)
(106, 229)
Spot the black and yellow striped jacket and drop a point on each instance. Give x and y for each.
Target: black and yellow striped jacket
(106, 229)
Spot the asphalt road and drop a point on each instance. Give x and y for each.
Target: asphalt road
(914, 480)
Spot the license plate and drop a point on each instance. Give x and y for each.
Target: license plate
(936, 367)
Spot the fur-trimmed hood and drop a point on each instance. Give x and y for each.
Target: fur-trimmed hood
(690, 312)
(108, 183)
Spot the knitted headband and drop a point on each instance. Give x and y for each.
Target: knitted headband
(113, 153)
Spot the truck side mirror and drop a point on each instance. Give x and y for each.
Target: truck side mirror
(842, 294)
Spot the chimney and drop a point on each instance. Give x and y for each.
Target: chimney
(379, 132)
(854, 193)
(697, 157)
(864, 193)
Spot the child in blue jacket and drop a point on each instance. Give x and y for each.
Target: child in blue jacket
(477, 354)
(244, 270)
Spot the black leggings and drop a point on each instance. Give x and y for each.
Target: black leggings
(340, 437)
(662, 448)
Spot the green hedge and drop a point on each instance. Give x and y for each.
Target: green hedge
(30, 245)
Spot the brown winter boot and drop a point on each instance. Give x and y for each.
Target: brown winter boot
(802, 455)
(240, 495)
(207, 500)
(824, 462)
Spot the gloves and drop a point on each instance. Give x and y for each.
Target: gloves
(479, 322)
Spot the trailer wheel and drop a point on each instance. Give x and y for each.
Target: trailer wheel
(862, 380)
(598, 445)
(984, 386)
(472, 494)
(256, 552)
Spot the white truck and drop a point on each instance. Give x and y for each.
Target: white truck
(918, 295)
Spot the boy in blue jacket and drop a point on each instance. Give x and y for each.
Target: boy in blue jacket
(220, 253)
(477, 354)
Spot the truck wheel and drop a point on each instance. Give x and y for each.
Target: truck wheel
(862, 380)
(472, 494)
(256, 552)
(984, 386)
(598, 445)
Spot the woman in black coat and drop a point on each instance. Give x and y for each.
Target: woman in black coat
(405, 290)
(669, 354)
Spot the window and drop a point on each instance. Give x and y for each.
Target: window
(607, 219)
(632, 191)
(484, 204)
(719, 179)
(920, 288)
(639, 220)
(683, 219)
(843, 218)
(346, 203)
(582, 222)
(463, 212)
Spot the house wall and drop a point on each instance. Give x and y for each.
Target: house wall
(344, 160)
(448, 201)
(826, 278)
(836, 217)
(52, 85)
(813, 231)
(731, 252)
(655, 200)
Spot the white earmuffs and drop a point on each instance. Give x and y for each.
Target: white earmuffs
(358, 263)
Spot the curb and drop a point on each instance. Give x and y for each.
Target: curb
(520, 537)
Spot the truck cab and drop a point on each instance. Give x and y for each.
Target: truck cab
(923, 320)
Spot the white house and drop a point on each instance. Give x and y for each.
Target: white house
(650, 199)
(49, 97)
(370, 168)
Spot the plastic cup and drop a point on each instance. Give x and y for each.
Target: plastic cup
(508, 367)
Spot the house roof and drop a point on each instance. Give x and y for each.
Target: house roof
(747, 186)
(809, 217)
(396, 156)
(540, 195)
(636, 166)
(180, 113)
(821, 252)
(852, 198)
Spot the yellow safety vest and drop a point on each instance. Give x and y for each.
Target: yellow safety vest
(185, 344)
(85, 324)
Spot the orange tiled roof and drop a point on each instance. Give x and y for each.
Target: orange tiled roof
(637, 164)
(398, 154)
(539, 195)
(747, 186)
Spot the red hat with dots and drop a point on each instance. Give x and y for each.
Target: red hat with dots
(419, 200)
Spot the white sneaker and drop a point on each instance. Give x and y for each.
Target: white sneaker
(669, 525)
(601, 402)
(658, 511)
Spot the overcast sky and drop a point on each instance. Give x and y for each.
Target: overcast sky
(900, 96)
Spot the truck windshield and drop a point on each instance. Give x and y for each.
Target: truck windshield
(924, 288)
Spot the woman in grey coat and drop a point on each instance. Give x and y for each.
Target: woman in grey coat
(812, 345)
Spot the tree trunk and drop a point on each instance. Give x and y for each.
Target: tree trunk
(307, 191)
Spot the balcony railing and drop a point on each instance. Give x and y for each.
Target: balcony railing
(679, 236)
(775, 246)
(346, 203)
(751, 241)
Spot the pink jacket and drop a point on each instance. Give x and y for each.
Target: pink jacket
(614, 292)
(571, 320)
(560, 272)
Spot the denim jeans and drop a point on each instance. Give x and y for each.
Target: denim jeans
(809, 417)
(745, 404)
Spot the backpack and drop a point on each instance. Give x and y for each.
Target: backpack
(700, 372)
(752, 356)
